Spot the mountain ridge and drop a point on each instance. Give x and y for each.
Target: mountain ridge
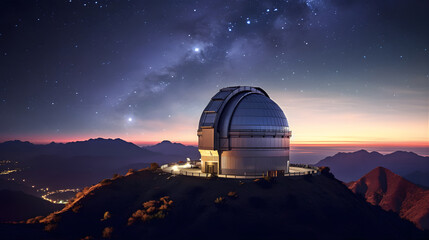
(174, 148)
(56, 165)
(394, 193)
(91, 147)
(351, 166)
(17, 205)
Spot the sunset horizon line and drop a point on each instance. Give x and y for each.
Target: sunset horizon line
(309, 143)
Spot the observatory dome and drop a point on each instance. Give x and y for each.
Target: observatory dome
(243, 132)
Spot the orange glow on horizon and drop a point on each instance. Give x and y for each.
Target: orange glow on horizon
(359, 143)
(140, 142)
(314, 121)
(47, 140)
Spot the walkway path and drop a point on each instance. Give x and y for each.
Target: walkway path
(196, 172)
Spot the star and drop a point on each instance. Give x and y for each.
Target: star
(130, 119)
(196, 49)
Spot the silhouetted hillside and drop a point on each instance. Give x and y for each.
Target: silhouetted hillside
(90, 148)
(157, 205)
(16, 205)
(392, 192)
(351, 166)
(167, 147)
(76, 164)
(13, 185)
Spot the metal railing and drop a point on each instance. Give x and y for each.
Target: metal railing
(304, 166)
(313, 171)
(193, 174)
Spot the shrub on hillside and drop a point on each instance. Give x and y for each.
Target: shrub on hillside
(326, 171)
(219, 201)
(130, 171)
(34, 220)
(51, 218)
(232, 195)
(79, 195)
(265, 182)
(149, 204)
(153, 209)
(105, 182)
(106, 216)
(107, 232)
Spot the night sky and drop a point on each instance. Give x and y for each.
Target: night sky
(144, 70)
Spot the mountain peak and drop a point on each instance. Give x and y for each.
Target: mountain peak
(393, 193)
(361, 151)
(377, 180)
(101, 140)
(379, 170)
(173, 148)
(17, 142)
(365, 152)
(402, 154)
(167, 143)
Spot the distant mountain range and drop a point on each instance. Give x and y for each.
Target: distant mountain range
(154, 205)
(90, 148)
(82, 163)
(57, 165)
(351, 166)
(393, 193)
(16, 206)
(167, 147)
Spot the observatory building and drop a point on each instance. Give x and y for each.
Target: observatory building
(243, 132)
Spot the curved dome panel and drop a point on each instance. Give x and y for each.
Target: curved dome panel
(210, 116)
(256, 112)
